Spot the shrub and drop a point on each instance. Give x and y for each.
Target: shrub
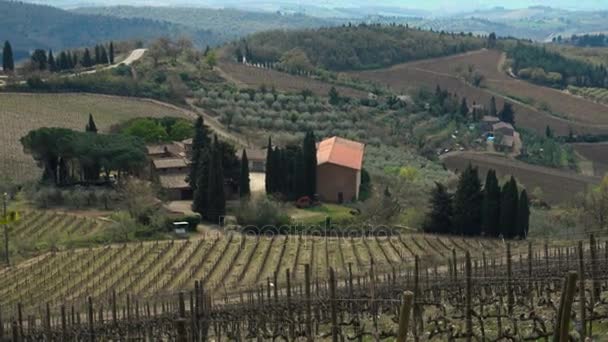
(261, 213)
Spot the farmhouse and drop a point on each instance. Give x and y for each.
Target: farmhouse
(488, 121)
(339, 164)
(257, 159)
(170, 165)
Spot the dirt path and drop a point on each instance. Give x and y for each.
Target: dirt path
(214, 124)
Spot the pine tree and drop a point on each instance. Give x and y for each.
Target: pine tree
(91, 126)
(8, 64)
(467, 203)
(200, 142)
(507, 114)
(269, 168)
(244, 186)
(508, 209)
(201, 183)
(51, 61)
(464, 107)
(493, 109)
(111, 53)
(103, 58)
(439, 219)
(523, 215)
(216, 197)
(490, 217)
(86, 59)
(309, 154)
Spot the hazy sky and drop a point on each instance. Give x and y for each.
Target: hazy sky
(432, 5)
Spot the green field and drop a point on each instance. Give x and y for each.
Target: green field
(20, 113)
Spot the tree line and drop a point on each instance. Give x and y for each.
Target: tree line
(68, 157)
(214, 168)
(555, 70)
(474, 210)
(352, 47)
(291, 172)
(68, 60)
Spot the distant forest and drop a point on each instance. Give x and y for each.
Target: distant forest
(539, 65)
(353, 47)
(587, 40)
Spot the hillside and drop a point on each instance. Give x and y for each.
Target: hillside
(351, 47)
(21, 113)
(225, 23)
(29, 27)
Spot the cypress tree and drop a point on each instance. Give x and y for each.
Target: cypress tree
(91, 126)
(491, 205)
(86, 59)
(244, 186)
(39, 59)
(523, 215)
(493, 109)
(508, 209)
(97, 55)
(467, 203)
(51, 61)
(8, 64)
(111, 53)
(216, 197)
(269, 168)
(62, 63)
(74, 59)
(507, 114)
(439, 219)
(464, 107)
(200, 142)
(309, 155)
(201, 183)
(103, 59)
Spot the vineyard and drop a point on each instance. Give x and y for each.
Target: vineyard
(21, 113)
(520, 292)
(224, 263)
(595, 94)
(43, 230)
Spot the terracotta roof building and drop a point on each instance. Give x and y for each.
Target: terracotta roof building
(339, 164)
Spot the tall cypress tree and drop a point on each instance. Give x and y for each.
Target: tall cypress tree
(309, 154)
(493, 108)
(507, 114)
(200, 142)
(244, 186)
(8, 64)
(508, 209)
(523, 215)
(490, 217)
(97, 55)
(103, 58)
(439, 219)
(216, 197)
(464, 107)
(111, 53)
(269, 168)
(91, 126)
(51, 61)
(62, 63)
(86, 59)
(201, 181)
(467, 203)
(74, 59)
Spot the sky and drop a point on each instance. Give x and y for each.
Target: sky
(429, 5)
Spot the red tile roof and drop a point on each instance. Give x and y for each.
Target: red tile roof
(340, 151)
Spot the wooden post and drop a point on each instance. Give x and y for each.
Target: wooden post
(563, 320)
(181, 321)
(581, 290)
(334, 310)
(64, 328)
(1, 326)
(308, 303)
(404, 315)
(15, 330)
(510, 297)
(469, 294)
(595, 285)
(90, 314)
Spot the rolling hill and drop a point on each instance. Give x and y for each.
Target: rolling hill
(29, 27)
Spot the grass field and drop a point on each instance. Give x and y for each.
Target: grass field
(224, 263)
(548, 106)
(557, 186)
(20, 113)
(597, 153)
